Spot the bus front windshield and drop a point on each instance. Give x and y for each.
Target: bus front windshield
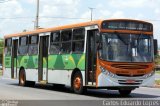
(126, 47)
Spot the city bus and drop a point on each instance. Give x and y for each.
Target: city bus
(114, 54)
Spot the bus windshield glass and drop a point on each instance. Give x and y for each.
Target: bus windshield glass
(126, 47)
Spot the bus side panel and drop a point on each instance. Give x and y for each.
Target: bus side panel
(7, 72)
(80, 58)
(30, 64)
(7, 61)
(56, 72)
(66, 61)
(32, 68)
(61, 66)
(22, 61)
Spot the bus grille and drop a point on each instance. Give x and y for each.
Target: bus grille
(124, 82)
(123, 75)
(130, 66)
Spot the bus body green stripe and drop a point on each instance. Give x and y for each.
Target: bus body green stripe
(7, 60)
(66, 61)
(55, 62)
(29, 62)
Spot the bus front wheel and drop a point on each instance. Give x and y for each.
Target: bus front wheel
(77, 83)
(125, 92)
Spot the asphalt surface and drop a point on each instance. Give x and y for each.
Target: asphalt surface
(9, 90)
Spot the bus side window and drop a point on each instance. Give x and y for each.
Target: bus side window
(78, 40)
(8, 44)
(33, 44)
(55, 43)
(66, 41)
(23, 45)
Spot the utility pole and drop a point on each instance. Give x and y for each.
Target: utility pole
(91, 12)
(37, 16)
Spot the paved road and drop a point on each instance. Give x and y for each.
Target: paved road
(10, 90)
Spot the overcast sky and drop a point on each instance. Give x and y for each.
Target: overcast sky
(17, 15)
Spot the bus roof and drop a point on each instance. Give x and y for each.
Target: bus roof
(96, 22)
(54, 29)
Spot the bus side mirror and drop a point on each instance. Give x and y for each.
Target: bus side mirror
(155, 44)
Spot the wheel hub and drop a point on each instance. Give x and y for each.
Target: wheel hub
(77, 83)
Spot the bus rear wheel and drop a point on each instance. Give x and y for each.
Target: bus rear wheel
(77, 83)
(125, 92)
(22, 78)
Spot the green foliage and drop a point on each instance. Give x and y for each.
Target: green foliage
(157, 82)
(158, 72)
(157, 60)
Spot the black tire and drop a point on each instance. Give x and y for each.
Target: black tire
(22, 78)
(77, 83)
(125, 92)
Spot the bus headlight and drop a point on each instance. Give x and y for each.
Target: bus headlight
(106, 72)
(149, 75)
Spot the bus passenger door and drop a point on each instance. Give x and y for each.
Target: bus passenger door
(14, 58)
(91, 57)
(43, 58)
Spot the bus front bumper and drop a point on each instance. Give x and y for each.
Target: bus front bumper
(119, 81)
